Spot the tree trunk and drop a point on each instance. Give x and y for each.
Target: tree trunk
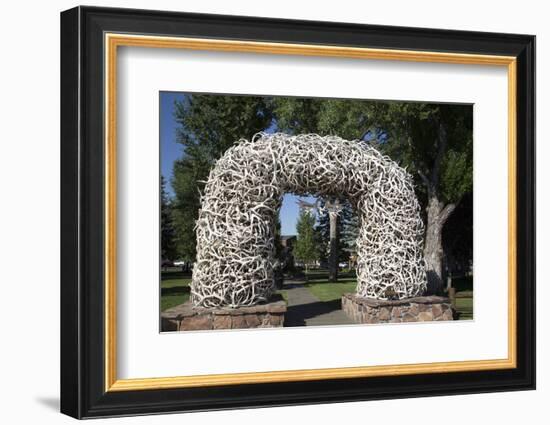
(333, 255)
(437, 214)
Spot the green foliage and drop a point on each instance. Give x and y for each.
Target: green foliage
(208, 126)
(347, 231)
(296, 115)
(344, 118)
(409, 132)
(456, 177)
(327, 291)
(279, 255)
(174, 288)
(186, 173)
(306, 248)
(457, 174)
(406, 131)
(432, 141)
(168, 231)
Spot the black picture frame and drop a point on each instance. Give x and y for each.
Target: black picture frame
(83, 392)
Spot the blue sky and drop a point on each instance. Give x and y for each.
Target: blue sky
(170, 151)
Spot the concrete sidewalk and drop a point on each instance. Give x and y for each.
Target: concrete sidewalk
(305, 309)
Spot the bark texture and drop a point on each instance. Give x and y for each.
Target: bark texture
(333, 255)
(437, 214)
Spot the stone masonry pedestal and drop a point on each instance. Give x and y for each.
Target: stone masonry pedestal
(418, 309)
(186, 317)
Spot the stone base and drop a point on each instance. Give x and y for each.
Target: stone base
(418, 309)
(185, 317)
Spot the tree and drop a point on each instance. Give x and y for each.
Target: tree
(459, 245)
(348, 233)
(436, 144)
(207, 126)
(168, 243)
(278, 254)
(433, 141)
(306, 248)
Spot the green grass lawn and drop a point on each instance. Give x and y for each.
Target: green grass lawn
(465, 307)
(464, 297)
(322, 274)
(327, 291)
(318, 285)
(174, 289)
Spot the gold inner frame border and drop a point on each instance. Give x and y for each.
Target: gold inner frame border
(111, 43)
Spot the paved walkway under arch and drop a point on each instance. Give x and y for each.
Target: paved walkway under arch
(305, 309)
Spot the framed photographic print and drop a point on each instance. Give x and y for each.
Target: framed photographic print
(261, 212)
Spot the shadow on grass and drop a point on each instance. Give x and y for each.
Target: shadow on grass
(323, 274)
(465, 283)
(174, 275)
(342, 281)
(175, 290)
(296, 315)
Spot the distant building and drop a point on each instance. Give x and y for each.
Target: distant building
(288, 241)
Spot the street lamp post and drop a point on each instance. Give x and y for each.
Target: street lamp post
(333, 209)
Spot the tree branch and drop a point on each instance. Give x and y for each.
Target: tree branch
(446, 212)
(426, 181)
(441, 149)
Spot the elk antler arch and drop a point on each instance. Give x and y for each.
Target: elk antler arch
(244, 191)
